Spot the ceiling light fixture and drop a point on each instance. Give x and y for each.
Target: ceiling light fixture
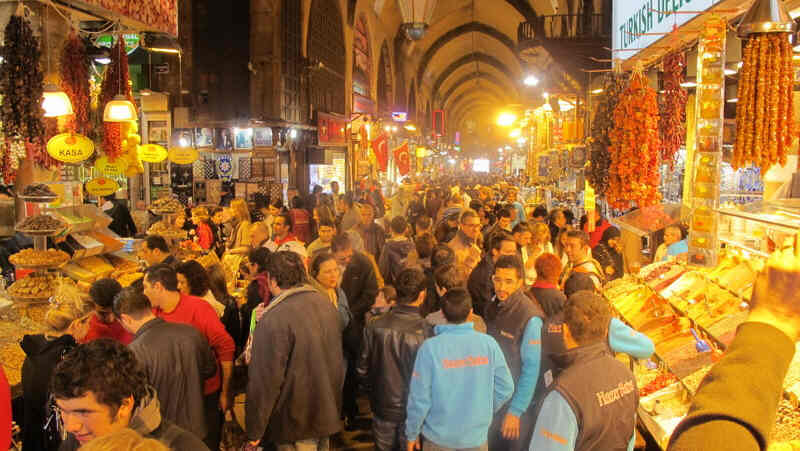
(531, 80)
(120, 109)
(55, 103)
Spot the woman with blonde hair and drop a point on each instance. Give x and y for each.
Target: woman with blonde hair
(203, 234)
(241, 229)
(124, 440)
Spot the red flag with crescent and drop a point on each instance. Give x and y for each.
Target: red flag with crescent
(380, 146)
(402, 159)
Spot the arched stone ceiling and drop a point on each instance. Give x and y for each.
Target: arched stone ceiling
(474, 80)
(459, 32)
(470, 69)
(472, 58)
(472, 43)
(460, 105)
(481, 85)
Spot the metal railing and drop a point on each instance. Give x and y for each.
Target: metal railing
(565, 27)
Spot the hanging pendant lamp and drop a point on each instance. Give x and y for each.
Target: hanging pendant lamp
(417, 15)
(765, 16)
(119, 109)
(55, 102)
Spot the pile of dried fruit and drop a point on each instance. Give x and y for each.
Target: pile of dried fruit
(635, 147)
(673, 107)
(661, 381)
(600, 159)
(75, 82)
(764, 113)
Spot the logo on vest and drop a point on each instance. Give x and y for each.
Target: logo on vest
(506, 334)
(469, 361)
(555, 328)
(605, 398)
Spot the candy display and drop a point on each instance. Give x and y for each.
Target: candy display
(167, 230)
(166, 205)
(38, 190)
(764, 114)
(33, 258)
(34, 286)
(635, 147)
(41, 224)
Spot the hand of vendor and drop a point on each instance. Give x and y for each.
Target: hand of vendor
(774, 300)
(79, 328)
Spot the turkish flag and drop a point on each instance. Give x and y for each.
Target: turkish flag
(402, 159)
(380, 147)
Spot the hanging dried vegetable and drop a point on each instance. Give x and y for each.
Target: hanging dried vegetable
(672, 119)
(75, 82)
(764, 119)
(115, 82)
(635, 147)
(600, 159)
(21, 81)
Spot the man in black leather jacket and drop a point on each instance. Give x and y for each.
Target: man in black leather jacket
(387, 359)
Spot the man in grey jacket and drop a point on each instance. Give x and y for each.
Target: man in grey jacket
(176, 358)
(296, 373)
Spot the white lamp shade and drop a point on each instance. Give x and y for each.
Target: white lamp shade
(417, 11)
(56, 103)
(119, 110)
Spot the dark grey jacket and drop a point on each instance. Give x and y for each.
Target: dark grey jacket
(177, 359)
(295, 377)
(147, 421)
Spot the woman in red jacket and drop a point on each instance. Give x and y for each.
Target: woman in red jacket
(204, 234)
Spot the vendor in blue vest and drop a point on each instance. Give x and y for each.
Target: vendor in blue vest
(460, 380)
(587, 413)
(516, 323)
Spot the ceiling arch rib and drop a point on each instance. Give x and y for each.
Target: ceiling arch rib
(509, 85)
(499, 95)
(468, 59)
(459, 31)
(474, 107)
(464, 100)
(464, 83)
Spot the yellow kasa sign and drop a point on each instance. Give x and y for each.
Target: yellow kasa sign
(101, 186)
(152, 153)
(70, 147)
(183, 155)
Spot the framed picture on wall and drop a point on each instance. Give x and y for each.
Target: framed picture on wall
(182, 137)
(223, 139)
(204, 137)
(244, 138)
(262, 137)
(157, 132)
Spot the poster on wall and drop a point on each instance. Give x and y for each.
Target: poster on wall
(204, 137)
(181, 137)
(262, 137)
(223, 139)
(157, 132)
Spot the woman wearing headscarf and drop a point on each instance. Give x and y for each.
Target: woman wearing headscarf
(609, 254)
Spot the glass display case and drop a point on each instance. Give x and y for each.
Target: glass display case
(760, 227)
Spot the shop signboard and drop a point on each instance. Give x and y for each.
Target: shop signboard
(152, 153)
(101, 186)
(183, 155)
(331, 130)
(110, 168)
(399, 116)
(639, 23)
(70, 147)
(363, 104)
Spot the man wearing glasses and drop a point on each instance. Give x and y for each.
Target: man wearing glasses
(466, 244)
(516, 323)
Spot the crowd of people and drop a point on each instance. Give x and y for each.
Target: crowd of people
(468, 319)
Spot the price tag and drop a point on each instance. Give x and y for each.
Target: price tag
(183, 155)
(152, 153)
(101, 186)
(70, 147)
